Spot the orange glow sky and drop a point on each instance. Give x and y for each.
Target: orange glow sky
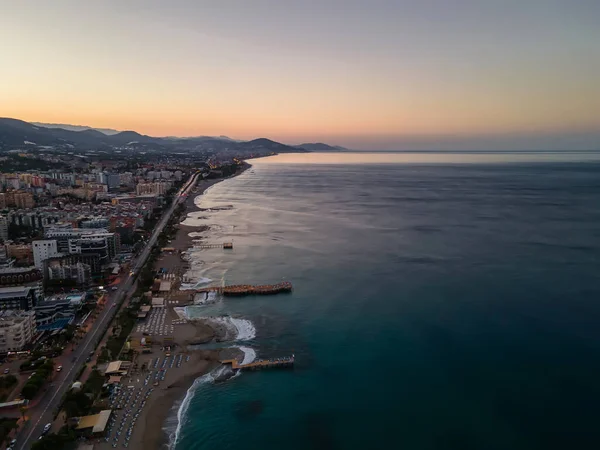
(369, 75)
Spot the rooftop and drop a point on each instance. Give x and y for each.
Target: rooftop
(16, 270)
(97, 421)
(117, 368)
(14, 315)
(14, 291)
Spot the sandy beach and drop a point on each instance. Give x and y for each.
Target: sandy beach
(170, 354)
(151, 435)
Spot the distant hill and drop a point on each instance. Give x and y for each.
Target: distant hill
(107, 131)
(126, 137)
(16, 133)
(321, 147)
(267, 144)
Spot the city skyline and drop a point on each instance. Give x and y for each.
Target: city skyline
(379, 75)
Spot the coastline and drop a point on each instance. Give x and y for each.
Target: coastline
(183, 242)
(153, 434)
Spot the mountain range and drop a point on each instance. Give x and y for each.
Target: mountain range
(320, 147)
(69, 127)
(16, 133)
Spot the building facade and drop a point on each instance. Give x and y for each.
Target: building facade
(24, 200)
(21, 253)
(17, 329)
(17, 297)
(79, 273)
(3, 228)
(43, 250)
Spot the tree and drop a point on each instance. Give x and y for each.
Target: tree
(52, 442)
(6, 426)
(7, 381)
(29, 391)
(23, 411)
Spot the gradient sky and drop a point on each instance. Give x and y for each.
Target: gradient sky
(370, 74)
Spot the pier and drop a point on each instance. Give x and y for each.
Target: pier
(248, 289)
(224, 245)
(259, 364)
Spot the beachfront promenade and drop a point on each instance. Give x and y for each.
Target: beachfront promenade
(248, 289)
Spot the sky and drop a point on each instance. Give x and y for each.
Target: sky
(372, 74)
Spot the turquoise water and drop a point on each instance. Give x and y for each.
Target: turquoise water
(443, 305)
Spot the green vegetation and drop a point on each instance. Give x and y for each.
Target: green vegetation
(7, 383)
(81, 371)
(57, 342)
(124, 324)
(35, 383)
(6, 426)
(32, 363)
(79, 403)
(55, 441)
(16, 163)
(75, 404)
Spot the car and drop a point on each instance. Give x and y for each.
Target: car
(6, 371)
(59, 368)
(13, 442)
(47, 428)
(88, 359)
(114, 288)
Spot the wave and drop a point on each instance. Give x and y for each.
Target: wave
(183, 408)
(181, 312)
(173, 426)
(237, 329)
(206, 298)
(249, 354)
(194, 285)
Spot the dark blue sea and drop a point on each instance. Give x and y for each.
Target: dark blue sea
(439, 303)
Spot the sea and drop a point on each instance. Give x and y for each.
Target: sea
(441, 301)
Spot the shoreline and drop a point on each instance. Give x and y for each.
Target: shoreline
(154, 435)
(183, 242)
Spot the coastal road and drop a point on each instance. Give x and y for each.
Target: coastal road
(47, 405)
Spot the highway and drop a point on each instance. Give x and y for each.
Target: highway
(43, 412)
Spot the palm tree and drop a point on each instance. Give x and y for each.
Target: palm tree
(23, 410)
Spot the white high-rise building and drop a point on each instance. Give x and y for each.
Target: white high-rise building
(43, 250)
(17, 329)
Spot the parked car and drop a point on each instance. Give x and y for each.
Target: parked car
(47, 428)
(6, 371)
(59, 368)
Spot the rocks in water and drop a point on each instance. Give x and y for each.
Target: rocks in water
(223, 375)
